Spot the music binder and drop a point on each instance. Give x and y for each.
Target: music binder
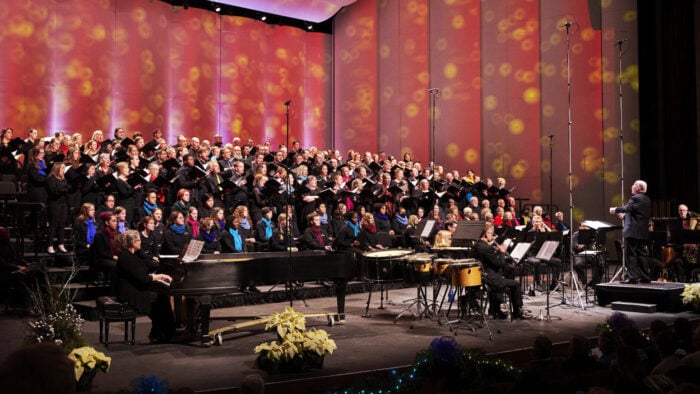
(547, 250)
(425, 227)
(519, 251)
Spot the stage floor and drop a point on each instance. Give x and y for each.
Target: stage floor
(364, 344)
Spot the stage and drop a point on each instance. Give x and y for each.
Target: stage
(366, 346)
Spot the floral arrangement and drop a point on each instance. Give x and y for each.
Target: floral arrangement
(616, 322)
(444, 367)
(88, 362)
(149, 384)
(57, 320)
(297, 349)
(691, 294)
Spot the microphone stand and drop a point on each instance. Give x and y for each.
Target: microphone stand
(575, 284)
(288, 222)
(434, 92)
(551, 167)
(622, 271)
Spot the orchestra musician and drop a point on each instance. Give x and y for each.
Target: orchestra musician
(635, 215)
(596, 262)
(554, 264)
(498, 275)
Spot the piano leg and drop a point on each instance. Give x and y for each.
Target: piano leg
(204, 315)
(341, 288)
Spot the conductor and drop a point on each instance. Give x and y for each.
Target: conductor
(636, 214)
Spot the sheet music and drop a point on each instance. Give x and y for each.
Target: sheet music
(429, 224)
(596, 224)
(519, 251)
(589, 253)
(192, 251)
(547, 250)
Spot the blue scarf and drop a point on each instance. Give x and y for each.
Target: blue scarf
(177, 229)
(42, 167)
(121, 227)
(208, 236)
(268, 228)
(91, 230)
(402, 220)
(381, 216)
(149, 208)
(245, 224)
(355, 227)
(237, 241)
(324, 218)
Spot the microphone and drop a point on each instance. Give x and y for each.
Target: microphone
(619, 42)
(567, 24)
(288, 102)
(433, 90)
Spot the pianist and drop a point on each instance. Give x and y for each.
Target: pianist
(137, 286)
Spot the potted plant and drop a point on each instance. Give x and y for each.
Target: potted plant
(691, 295)
(88, 362)
(296, 349)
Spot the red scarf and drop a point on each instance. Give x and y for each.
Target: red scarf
(371, 228)
(195, 227)
(317, 233)
(112, 237)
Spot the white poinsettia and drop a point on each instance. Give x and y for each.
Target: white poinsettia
(294, 340)
(318, 341)
(691, 293)
(287, 321)
(87, 358)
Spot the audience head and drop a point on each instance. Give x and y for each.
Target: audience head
(37, 369)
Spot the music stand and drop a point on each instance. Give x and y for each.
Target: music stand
(545, 253)
(467, 233)
(425, 228)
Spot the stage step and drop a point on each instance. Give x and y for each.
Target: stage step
(633, 307)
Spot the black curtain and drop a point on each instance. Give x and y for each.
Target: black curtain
(668, 103)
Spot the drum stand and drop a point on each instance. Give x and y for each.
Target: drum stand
(382, 292)
(465, 317)
(421, 303)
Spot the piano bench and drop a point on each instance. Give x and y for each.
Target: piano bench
(109, 310)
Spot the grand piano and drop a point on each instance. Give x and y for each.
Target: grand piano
(219, 274)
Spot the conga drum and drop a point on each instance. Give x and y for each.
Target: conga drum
(383, 265)
(466, 273)
(442, 266)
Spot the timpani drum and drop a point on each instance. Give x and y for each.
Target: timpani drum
(418, 267)
(442, 266)
(466, 273)
(383, 265)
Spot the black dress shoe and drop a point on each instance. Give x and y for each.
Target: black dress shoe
(630, 281)
(253, 289)
(644, 281)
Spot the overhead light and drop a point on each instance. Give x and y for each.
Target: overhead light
(310, 27)
(263, 18)
(217, 9)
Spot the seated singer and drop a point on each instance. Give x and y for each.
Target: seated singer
(498, 275)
